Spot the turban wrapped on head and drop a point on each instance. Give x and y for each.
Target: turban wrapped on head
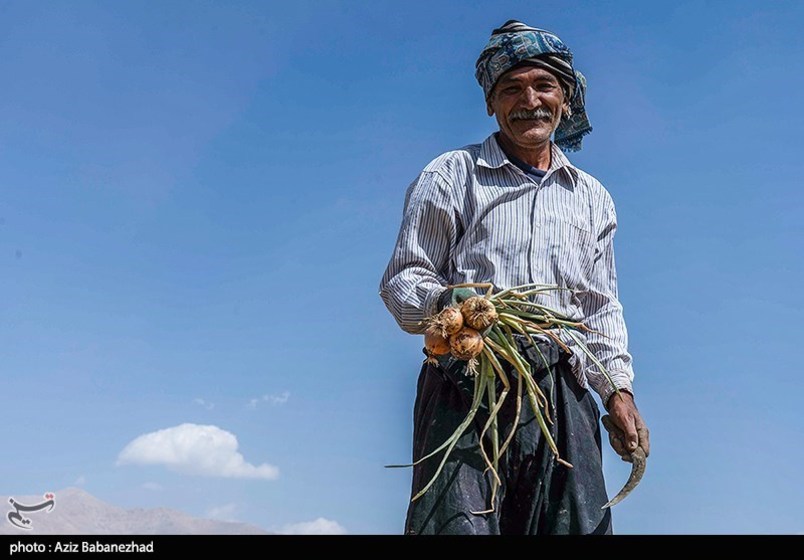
(515, 44)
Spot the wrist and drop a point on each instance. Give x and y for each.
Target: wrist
(624, 393)
(454, 296)
(432, 303)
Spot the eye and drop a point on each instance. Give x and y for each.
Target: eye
(510, 90)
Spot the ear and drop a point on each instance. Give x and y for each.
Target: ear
(567, 112)
(489, 109)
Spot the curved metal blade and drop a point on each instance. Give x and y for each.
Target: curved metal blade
(638, 461)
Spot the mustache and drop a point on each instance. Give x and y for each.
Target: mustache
(538, 113)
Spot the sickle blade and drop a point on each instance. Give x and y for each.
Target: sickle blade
(638, 461)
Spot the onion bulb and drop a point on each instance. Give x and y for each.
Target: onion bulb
(435, 344)
(478, 313)
(466, 344)
(446, 323)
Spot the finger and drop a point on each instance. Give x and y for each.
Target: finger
(612, 427)
(643, 433)
(644, 439)
(624, 429)
(619, 447)
(615, 437)
(617, 444)
(630, 433)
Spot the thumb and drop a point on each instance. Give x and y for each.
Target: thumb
(631, 437)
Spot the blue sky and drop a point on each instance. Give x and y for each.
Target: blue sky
(198, 200)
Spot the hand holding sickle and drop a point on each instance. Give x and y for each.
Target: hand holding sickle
(629, 437)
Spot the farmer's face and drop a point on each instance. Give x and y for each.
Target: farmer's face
(528, 103)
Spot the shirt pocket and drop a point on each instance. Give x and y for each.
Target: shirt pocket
(562, 250)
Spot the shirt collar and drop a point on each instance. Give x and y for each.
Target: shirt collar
(492, 157)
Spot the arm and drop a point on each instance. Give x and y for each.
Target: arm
(417, 272)
(604, 314)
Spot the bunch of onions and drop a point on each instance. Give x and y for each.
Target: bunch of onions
(457, 331)
(481, 332)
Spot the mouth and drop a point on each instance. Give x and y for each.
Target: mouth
(535, 122)
(532, 118)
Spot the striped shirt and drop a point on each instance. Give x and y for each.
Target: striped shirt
(473, 216)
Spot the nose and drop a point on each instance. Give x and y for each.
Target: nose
(531, 98)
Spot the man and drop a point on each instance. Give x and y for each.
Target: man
(510, 211)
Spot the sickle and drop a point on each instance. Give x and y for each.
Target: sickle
(638, 461)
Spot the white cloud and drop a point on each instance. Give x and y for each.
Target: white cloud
(320, 526)
(151, 486)
(274, 400)
(194, 449)
(277, 399)
(205, 404)
(222, 513)
(80, 481)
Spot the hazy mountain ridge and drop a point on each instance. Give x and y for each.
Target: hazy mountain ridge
(78, 512)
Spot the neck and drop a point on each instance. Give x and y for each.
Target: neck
(538, 156)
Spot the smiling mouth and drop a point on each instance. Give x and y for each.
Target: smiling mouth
(535, 120)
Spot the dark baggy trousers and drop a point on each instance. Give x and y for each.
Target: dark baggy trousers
(537, 495)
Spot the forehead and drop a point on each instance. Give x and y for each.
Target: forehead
(527, 73)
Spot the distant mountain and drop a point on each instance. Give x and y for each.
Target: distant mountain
(78, 512)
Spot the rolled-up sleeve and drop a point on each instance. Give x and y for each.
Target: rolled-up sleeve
(419, 267)
(604, 313)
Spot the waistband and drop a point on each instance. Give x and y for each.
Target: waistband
(540, 352)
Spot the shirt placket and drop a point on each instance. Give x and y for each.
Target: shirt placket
(534, 194)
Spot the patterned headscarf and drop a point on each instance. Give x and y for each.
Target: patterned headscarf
(515, 44)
